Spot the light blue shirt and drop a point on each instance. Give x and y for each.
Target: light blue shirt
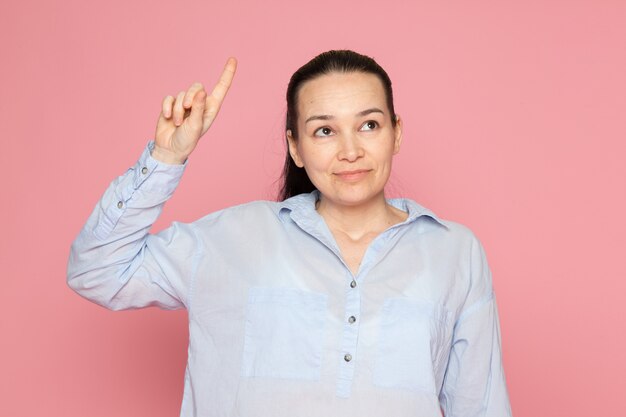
(279, 325)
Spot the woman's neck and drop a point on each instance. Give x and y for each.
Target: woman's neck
(358, 221)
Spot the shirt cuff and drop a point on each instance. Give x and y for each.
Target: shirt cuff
(147, 184)
(153, 175)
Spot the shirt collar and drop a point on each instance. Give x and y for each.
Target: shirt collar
(302, 207)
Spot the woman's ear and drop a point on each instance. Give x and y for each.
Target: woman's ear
(398, 135)
(293, 149)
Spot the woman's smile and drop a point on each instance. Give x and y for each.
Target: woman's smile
(353, 175)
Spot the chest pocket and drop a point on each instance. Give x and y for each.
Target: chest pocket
(414, 344)
(284, 333)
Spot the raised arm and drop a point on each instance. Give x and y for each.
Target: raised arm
(114, 261)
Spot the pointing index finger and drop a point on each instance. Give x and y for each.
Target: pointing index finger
(222, 86)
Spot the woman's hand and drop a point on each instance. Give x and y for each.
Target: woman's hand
(184, 119)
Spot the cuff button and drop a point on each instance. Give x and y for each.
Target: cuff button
(120, 204)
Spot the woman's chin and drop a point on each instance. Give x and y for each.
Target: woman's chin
(352, 197)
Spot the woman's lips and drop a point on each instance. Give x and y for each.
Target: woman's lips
(352, 175)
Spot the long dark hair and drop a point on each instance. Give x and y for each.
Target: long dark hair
(295, 179)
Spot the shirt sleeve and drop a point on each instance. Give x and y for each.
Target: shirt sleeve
(115, 262)
(474, 384)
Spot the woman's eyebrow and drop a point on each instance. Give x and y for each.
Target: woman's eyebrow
(359, 114)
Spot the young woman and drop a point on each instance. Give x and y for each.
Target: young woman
(333, 301)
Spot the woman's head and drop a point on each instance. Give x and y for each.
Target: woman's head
(332, 71)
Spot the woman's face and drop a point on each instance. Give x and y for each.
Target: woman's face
(346, 139)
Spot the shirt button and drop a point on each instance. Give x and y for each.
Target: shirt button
(347, 357)
(351, 319)
(120, 204)
(144, 170)
(353, 284)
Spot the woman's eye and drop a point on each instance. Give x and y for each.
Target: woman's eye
(323, 131)
(370, 125)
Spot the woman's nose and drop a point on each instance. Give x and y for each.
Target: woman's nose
(350, 148)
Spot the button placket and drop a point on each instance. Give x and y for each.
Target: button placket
(349, 339)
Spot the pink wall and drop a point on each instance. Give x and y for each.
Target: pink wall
(515, 124)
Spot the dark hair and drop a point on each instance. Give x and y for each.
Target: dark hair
(295, 179)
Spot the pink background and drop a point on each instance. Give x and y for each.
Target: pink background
(515, 125)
